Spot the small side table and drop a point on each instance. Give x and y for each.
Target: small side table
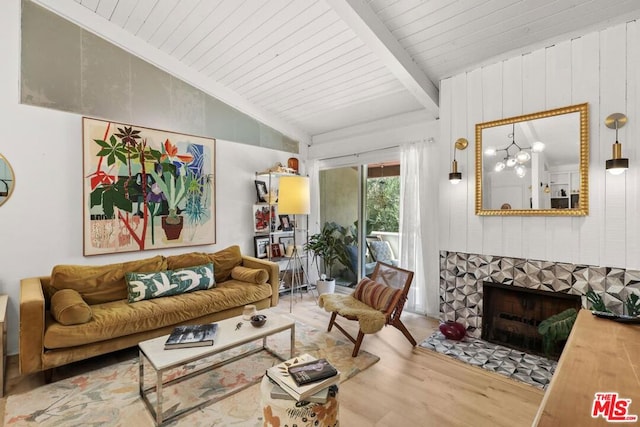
(285, 412)
(4, 299)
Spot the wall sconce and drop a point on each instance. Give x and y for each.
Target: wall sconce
(617, 164)
(455, 176)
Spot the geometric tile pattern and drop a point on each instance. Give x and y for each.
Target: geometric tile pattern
(462, 276)
(528, 368)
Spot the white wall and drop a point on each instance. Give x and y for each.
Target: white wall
(600, 68)
(41, 224)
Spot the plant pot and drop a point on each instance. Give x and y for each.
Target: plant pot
(172, 231)
(326, 286)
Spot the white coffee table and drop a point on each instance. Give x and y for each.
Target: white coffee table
(228, 337)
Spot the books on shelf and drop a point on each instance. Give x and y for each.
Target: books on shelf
(185, 336)
(279, 374)
(278, 392)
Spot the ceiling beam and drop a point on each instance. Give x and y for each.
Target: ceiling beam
(366, 24)
(99, 26)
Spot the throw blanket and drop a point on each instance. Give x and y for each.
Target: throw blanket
(370, 319)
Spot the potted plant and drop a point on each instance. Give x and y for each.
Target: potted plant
(556, 328)
(327, 248)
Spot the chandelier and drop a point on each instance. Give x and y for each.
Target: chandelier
(515, 155)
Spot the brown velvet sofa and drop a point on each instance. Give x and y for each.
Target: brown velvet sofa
(116, 323)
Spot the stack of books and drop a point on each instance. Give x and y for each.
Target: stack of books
(303, 378)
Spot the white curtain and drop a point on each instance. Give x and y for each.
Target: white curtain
(419, 225)
(314, 184)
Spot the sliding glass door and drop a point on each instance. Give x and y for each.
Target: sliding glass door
(339, 209)
(361, 194)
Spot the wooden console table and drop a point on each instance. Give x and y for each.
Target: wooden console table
(600, 356)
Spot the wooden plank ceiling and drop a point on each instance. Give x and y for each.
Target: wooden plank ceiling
(322, 65)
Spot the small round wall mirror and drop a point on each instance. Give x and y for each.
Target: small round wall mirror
(7, 180)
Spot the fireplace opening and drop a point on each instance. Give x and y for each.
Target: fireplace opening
(511, 315)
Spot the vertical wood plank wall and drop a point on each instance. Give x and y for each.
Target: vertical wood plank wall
(601, 68)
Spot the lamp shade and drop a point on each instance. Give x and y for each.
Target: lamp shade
(293, 195)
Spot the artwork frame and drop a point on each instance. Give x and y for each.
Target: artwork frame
(262, 192)
(276, 250)
(286, 242)
(285, 223)
(260, 245)
(261, 218)
(146, 188)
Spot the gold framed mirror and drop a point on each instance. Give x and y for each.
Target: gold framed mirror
(536, 164)
(7, 180)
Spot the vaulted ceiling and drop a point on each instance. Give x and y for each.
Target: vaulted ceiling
(307, 67)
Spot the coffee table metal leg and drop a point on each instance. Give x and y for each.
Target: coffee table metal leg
(141, 373)
(159, 397)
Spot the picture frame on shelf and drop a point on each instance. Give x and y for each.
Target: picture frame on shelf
(261, 191)
(286, 241)
(261, 219)
(285, 223)
(276, 250)
(260, 245)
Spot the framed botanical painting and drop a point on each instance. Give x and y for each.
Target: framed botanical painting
(146, 188)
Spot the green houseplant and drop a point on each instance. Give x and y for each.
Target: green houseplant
(556, 328)
(327, 248)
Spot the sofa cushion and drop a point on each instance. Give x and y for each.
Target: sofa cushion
(250, 275)
(187, 260)
(119, 318)
(376, 295)
(223, 261)
(68, 308)
(170, 282)
(100, 284)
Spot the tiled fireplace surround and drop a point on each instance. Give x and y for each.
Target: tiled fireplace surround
(462, 276)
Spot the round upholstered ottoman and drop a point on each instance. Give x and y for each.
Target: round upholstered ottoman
(290, 413)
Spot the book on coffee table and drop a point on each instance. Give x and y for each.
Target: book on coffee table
(186, 336)
(280, 375)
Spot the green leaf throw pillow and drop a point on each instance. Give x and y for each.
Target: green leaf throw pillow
(144, 286)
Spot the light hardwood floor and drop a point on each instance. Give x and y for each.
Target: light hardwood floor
(407, 387)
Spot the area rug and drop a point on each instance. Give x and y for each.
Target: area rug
(528, 368)
(109, 396)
